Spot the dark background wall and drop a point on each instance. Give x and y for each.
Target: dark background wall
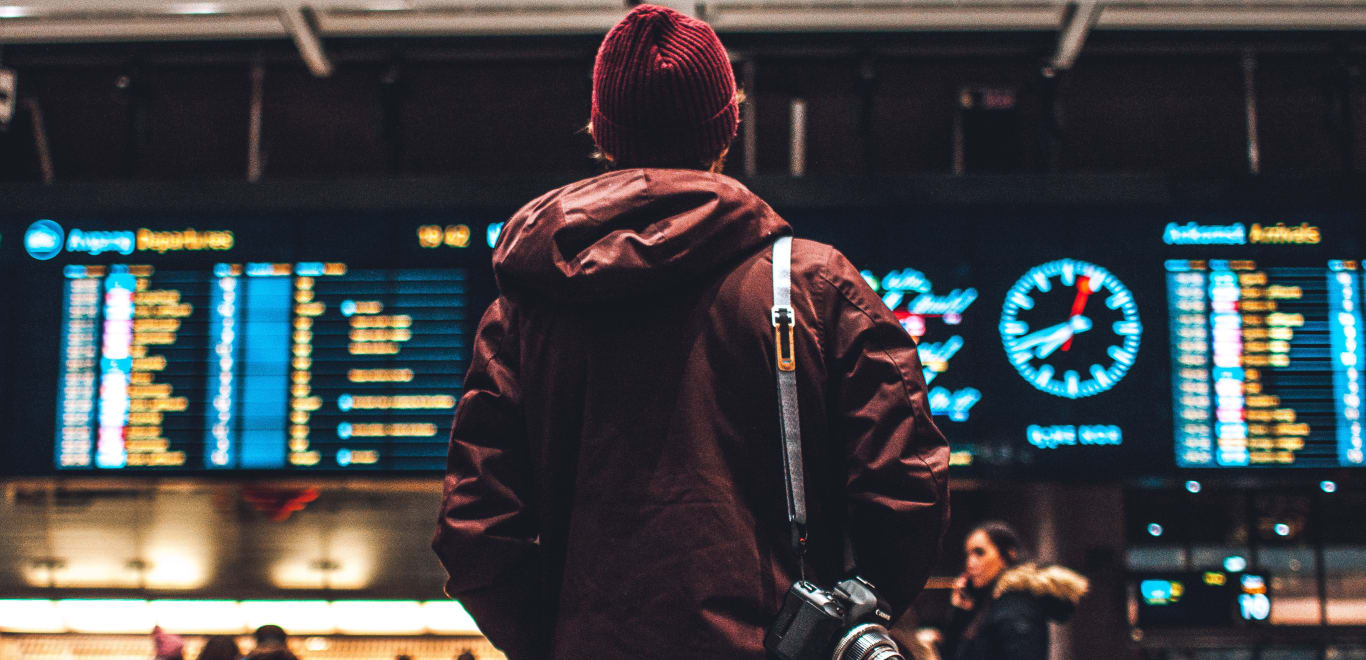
(884, 104)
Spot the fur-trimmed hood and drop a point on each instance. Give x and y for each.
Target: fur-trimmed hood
(1058, 588)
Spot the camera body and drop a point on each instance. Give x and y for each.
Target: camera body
(845, 623)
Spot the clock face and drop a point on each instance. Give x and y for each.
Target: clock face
(1070, 328)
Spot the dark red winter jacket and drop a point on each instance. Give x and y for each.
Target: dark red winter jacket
(615, 483)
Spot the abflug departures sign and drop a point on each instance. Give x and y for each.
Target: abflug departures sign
(1057, 343)
(169, 344)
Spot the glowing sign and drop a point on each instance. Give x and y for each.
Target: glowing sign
(434, 236)
(187, 240)
(1240, 234)
(1161, 592)
(43, 240)
(909, 293)
(1052, 437)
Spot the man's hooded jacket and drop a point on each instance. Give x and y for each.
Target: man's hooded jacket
(615, 486)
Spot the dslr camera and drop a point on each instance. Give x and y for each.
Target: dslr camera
(846, 623)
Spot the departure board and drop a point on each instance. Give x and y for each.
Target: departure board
(210, 344)
(1059, 340)
(259, 366)
(1266, 363)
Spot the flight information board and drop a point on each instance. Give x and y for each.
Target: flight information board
(334, 343)
(1058, 342)
(1266, 363)
(259, 366)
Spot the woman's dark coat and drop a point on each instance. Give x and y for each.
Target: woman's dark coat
(1013, 623)
(615, 487)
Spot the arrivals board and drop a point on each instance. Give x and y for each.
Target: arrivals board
(1059, 341)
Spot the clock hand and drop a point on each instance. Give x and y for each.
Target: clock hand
(1073, 326)
(1044, 336)
(1079, 303)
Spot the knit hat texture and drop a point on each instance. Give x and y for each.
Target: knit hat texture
(663, 90)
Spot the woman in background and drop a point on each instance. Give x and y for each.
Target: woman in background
(1002, 602)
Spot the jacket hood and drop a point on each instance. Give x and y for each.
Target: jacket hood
(630, 232)
(1058, 588)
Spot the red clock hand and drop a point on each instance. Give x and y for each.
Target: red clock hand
(1079, 304)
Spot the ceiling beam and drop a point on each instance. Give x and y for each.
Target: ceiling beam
(300, 29)
(1078, 20)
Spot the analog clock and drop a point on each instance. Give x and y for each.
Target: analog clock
(1070, 328)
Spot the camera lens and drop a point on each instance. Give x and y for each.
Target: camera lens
(867, 642)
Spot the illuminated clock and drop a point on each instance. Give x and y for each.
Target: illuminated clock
(1070, 328)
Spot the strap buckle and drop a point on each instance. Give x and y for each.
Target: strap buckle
(784, 321)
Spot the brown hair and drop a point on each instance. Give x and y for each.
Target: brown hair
(1006, 540)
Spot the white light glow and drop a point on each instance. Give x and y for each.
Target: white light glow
(30, 616)
(447, 617)
(359, 617)
(197, 8)
(172, 570)
(200, 616)
(301, 617)
(11, 11)
(106, 616)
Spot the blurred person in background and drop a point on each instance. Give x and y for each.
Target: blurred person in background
(167, 646)
(271, 644)
(220, 647)
(615, 487)
(1003, 602)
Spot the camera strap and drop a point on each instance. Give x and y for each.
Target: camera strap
(789, 423)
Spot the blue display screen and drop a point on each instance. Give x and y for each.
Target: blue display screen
(1058, 341)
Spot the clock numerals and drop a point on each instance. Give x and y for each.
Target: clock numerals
(1070, 328)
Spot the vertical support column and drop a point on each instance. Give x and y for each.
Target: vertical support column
(1254, 149)
(796, 165)
(258, 87)
(749, 129)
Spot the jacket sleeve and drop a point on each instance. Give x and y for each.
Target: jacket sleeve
(897, 460)
(486, 536)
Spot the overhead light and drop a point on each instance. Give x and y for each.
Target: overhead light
(1154, 529)
(206, 617)
(312, 617)
(388, 5)
(1328, 486)
(12, 11)
(30, 616)
(197, 8)
(447, 617)
(1193, 486)
(105, 616)
(360, 617)
(1282, 529)
(199, 616)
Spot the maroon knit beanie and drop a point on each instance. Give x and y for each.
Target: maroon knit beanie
(663, 91)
